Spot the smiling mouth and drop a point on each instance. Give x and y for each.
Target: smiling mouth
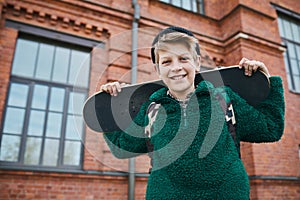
(178, 77)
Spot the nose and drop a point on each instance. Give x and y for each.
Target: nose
(176, 66)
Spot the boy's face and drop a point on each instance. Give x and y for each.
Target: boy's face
(177, 68)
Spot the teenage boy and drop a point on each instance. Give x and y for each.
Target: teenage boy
(187, 114)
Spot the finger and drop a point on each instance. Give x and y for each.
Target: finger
(255, 67)
(251, 65)
(103, 88)
(119, 87)
(246, 67)
(242, 62)
(114, 89)
(109, 89)
(250, 70)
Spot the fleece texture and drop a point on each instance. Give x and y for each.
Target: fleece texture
(194, 155)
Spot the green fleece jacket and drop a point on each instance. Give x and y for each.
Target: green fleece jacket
(194, 155)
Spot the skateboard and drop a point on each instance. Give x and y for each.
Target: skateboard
(105, 113)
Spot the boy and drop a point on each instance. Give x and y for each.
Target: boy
(186, 116)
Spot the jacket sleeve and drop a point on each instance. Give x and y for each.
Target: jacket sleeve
(132, 141)
(265, 122)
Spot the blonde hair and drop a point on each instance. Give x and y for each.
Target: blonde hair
(175, 37)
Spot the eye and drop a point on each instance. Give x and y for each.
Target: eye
(184, 58)
(165, 62)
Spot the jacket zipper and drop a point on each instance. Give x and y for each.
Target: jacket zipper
(184, 105)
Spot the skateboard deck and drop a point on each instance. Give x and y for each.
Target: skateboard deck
(105, 113)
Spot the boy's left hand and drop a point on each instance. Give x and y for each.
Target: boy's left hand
(251, 66)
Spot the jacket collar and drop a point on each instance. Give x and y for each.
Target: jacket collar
(160, 96)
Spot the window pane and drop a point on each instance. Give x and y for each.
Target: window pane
(295, 31)
(195, 6)
(18, 95)
(54, 125)
(287, 30)
(297, 82)
(83, 79)
(61, 65)
(10, 146)
(40, 96)
(297, 51)
(79, 69)
(32, 151)
(57, 99)
(176, 3)
(74, 127)
(14, 120)
(186, 4)
(36, 123)
(72, 153)
(291, 50)
(294, 66)
(25, 57)
(45, 62)
(50, 152)
(76, 101)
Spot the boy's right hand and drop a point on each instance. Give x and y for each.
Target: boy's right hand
(112, 88)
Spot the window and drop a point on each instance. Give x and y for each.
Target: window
(290, 33)
(191, 5)
(42, 122)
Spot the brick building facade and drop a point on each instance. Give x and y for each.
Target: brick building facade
(45, 151)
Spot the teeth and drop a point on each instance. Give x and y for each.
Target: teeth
(177, 77)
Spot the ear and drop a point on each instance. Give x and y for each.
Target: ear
(198, 64)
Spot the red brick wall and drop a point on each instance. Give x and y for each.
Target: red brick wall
(39, 185)
(277, 190)
(218, 34)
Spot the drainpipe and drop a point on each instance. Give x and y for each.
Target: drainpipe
(134, 57)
